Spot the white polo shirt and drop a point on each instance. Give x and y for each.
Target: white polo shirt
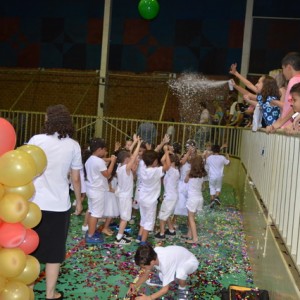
(52, 187)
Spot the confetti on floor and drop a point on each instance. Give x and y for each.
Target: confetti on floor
(104, 272)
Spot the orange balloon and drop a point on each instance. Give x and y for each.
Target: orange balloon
(15, 290)
(33, 216)
(12, 262)
(7, 136)
(26, 191)
(38, 155)
(17, 168)
(30, 272)
(13, 208)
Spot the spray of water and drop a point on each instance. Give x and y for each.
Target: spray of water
(193, 88)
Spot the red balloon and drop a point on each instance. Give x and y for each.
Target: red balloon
(7, 136)
(12, 234)
(31, 241)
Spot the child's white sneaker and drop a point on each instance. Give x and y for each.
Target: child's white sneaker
(84, 227)
(182, 294)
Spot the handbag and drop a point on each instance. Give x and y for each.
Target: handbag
(236, 292)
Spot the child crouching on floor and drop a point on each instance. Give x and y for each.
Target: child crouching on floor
(171, 263)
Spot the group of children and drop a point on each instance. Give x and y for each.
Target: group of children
(133, 177)
(109, 186)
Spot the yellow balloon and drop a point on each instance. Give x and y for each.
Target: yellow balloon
(3, 282)
(2, 191)
(31, 293)
(33, 216)
(13, 208)
(15, 290)
(38, 155)
(12, 262)
(26, 191)
(17, 168)
(30, 272)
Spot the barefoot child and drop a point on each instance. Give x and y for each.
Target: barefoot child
(194, 202)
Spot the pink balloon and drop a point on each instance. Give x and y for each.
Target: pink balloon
(12, 234)
(7, 136)
(31, 241)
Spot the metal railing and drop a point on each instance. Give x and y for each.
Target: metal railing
(28, 124)
(272, 162)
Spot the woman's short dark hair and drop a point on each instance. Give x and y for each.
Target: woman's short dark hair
(144, 255)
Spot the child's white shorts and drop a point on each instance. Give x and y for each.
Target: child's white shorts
(187, 268)
(215, 185)
(125, 207)
(96, 204)
(148, 215)
(195, 203)
(167, 209)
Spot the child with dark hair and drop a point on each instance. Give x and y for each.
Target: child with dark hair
(150, 189)
(215, 165)
(194, 202)
(96, 174)
(124, 192)
(171, 263)
(263, 93)
(170, 198)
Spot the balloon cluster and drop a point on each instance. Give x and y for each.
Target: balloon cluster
(18, 215)
(148, 9)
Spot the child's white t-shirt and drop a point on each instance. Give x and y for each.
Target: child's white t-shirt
(170, 259)
(140, 169)
(95, 181)
(215, 165)
(125, 183)
(150, 184)
(171, 184)
(184, 169)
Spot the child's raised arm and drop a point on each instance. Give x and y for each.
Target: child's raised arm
(133, 157)
(247, 83)
(164, 141)
(165, 160)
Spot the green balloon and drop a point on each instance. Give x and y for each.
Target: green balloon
(148, 9)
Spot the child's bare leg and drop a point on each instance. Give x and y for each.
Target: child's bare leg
(170, 225)
(86, 217)
(106, 230)
(145, 235)
(92, 222)
(122, 227)
(162, 225)
(182, 283)
(191, 218)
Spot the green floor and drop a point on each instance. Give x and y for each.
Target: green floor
(93, 272)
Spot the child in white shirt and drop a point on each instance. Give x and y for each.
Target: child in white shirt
(171, 262)
(150, 189)
(170, 198)
(215, 165)
(194, 202)
(96, 186)
(124, 192)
